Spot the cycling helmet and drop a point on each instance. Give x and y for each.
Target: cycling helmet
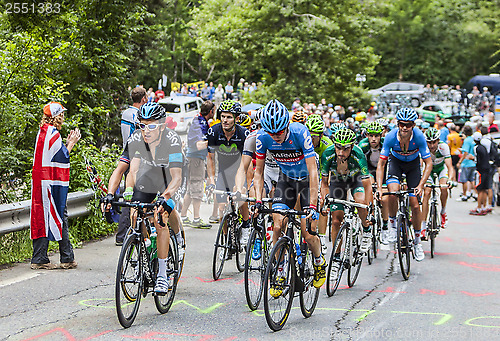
(344, 137)
(374, 128)
(384, 122)
(275, 117)
(151, 111)
(229, 106)
(406, 114)
(299, 117)
(426, 125)
(418, 122)
(315, 124)
(336, 127)
(244, 120)
(432, 134)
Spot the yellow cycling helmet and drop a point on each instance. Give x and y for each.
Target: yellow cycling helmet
(244, 120)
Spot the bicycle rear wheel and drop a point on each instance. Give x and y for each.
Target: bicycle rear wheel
(280, 276)
(357, 257)
(336, 265)
(241, 250)
(164, 302)
(221, 249)
(403, 246)
(434, 228)
(310, 294)
(129, 281)
(255, 270)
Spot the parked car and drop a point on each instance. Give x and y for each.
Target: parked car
(446, 110)
(413, 90)
(182, 109)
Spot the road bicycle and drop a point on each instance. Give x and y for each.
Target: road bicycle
(376, 227)
(289, 271)
(405, 235)
(257, 254)
(228, 238)
(138, 266)
(345, 253)
(434, 220)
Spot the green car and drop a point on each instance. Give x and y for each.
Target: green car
(429, 110)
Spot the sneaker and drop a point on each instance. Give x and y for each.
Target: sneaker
(229, 255)
(384, 237)
(488, 209)
(213, 220)
(423, 235)
(319, 273)
(43, 266)
(277, 288)
(334, 271)
(200, 224)
(474, 197)
(393, 235)
(419, 252)
(70, 265)
(324, 247)
(444, 220)
(462, 198)
(256, 252)
(366, 242)
(186, 221)
(119, 243)
(161, 287)
(245, 234)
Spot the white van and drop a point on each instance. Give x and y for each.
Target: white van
(182, 109)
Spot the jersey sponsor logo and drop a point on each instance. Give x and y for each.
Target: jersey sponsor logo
(407, 153)
(232, 149)
(287, 156)
(210, 131)
(258, 144)
(174, 138)
(307, 141)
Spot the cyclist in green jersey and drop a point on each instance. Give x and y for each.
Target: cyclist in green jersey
(316, 127)
(371, 146)
(442, 168)
(343, 168)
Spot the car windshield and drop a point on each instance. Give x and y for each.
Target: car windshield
(171, 107)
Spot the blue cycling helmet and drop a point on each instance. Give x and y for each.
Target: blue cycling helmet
(336, 127)
(406, 114)
(151, 111)
(275, 117)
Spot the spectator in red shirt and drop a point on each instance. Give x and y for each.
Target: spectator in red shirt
(493, 128)
(159, 94)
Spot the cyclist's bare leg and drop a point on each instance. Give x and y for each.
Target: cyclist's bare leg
(163, 238)
(312, 241)
(244, 211)
(425, 203)
(279, 227)
(444, 192)
(337, 218)
(359, 197)
(393, 200)
(416, 214)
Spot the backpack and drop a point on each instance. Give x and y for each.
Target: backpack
(494, 154)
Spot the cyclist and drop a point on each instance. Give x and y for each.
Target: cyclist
(442, 168)
(244, 120)
(316, 126)
(344, 168)
(154, 155)
(226, 139)
(299, 117)
(291, 146)
(371, 146)
(401, 150)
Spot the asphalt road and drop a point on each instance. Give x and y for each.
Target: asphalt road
(455, 296)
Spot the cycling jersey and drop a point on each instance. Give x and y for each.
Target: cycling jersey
(153, 174)
(442, 153)
(324, 143)
(417, 146)
(356, 165)
(372, 155)
(290, 155)
(228, 151)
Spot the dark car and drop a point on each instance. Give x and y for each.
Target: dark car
(492, 82)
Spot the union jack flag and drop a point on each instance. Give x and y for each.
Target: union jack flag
(49, 184)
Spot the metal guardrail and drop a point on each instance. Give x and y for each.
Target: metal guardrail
(16, 216)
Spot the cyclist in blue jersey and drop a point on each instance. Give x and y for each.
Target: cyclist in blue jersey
(401, 149)
(291, 146)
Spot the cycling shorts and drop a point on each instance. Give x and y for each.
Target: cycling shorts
(271, 176)
(397, 168)
(339, 190)
(226, 181)
(288, 190)
(440, 175)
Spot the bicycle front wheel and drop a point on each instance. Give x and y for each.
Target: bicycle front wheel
(357, 257)
(241, 251)
(255, 268)
(279, 284)
(434, 228)
(337, 260)
(164, 302)
(403, 246)
(129, 281)
(309, 294)
(221, 249)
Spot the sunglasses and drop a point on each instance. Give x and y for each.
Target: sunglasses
(279, 133)
(341, 147)
(151, 126)
(406, 125)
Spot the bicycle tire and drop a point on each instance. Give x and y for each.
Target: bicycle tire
(220, 251)
(376, 231)
(332, 283)
(308, 297)
(255, 271)
(181, 263)
(403, 246)
(129, 271)
(432, 232)
(357, 261)
(164, 302)
(276, 314)
(241, 251)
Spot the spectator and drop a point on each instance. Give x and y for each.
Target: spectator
(129, 120)
(444, 131)
(484, 169)
(196, 154)
(184, 90)
(150, 95)
(218, 95)
(174, 92)
(493, 127)
(253, 87)
(49, 191)
(229, 90)
(467, 165)
(455, 143)
(205, 92)
(211, 89)
(159, 94)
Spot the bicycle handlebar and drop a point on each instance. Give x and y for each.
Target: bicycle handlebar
(291, 212)
(329, 201)
(437, 186)
(231, 194)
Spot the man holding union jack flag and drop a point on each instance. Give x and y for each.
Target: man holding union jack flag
(49, 190)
